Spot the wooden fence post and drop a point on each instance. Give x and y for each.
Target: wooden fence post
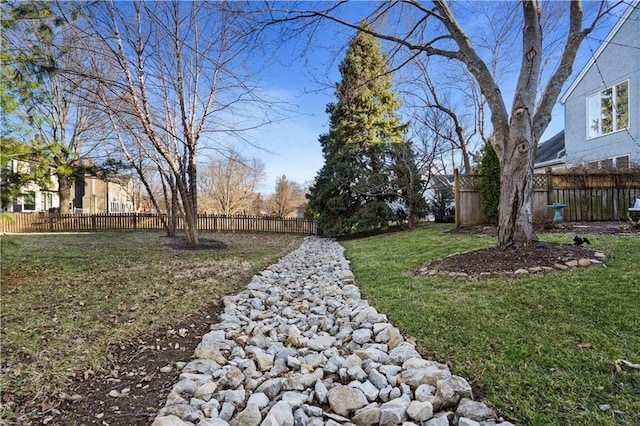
(549, 184)
(456, 195)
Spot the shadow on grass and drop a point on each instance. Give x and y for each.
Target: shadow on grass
(182, 243)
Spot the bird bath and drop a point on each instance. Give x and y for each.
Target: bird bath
(557, 217)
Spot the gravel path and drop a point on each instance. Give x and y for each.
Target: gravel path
(299, 346)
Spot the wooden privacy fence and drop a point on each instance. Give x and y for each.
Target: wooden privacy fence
(590, 195)
(39, 222)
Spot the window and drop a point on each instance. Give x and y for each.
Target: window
(607, 163)
(608, 110)
(46, 201)
(114, 205)
(29, 200)
(621, 162)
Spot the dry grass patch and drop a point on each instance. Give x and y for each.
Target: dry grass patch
(67, 300)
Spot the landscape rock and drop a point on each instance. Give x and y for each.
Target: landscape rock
(451, 390)
(474, 410)
(344, 399)
(250, 416)
(420, 411)
(299, 346)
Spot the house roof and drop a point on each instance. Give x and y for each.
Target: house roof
(551, 149)
(632, 6)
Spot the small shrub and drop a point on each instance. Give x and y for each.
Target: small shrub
(543, 221)
(441, 206)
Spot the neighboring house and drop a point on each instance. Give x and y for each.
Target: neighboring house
(113, 194)
(32, 197)
(602, 105)
(551, 154)
(90, 194)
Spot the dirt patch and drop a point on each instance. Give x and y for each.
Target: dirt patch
(134, 389)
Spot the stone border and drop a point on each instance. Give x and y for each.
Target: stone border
(463, 276)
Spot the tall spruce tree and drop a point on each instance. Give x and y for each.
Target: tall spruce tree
(354, 188)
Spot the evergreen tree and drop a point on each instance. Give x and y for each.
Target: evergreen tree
(490, 183)
(355, 186)
(20, 81)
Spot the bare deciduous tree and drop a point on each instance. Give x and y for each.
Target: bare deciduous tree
(180, 70)
(516, 126)
(60, 109)
(229, 182)
(288, 197)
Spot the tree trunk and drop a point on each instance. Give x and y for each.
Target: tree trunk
(411, 219)
(173, 213)
(515, 225)
(64, 193)
(191, 207)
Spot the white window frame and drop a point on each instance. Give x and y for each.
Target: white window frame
(591, 133)
(115, 206)
(599, 164)
(25, 196)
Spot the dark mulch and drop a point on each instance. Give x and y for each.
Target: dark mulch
(511, 259)
(498, 260)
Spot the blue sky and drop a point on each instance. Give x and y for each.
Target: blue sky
(306, 84)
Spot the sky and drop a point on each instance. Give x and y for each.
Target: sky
(290, 147)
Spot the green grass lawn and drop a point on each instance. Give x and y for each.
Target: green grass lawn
(66, 298)
(541, 349)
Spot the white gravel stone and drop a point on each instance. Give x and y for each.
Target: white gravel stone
(463, 421)
(474, 410)
(287, 345)
(420, 411)
(170, 421)
(344, 399)
(281, 413)
(452, 389)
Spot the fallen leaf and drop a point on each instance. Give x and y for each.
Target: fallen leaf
(584, 346)
(149, 377)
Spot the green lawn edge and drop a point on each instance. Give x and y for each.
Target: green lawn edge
(540, 349)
